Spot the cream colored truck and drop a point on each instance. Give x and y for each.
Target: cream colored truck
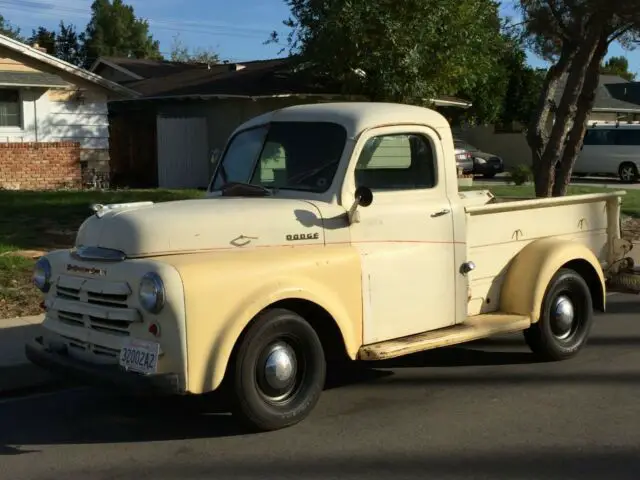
(330, 232)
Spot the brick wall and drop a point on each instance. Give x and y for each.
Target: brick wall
(39, 166)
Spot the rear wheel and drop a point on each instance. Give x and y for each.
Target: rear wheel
(278, 372)
(628, 173)
(565, 320)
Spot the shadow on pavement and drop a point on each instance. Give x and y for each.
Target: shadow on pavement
(594, 463)
(87, 416)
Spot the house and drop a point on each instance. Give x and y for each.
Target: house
(53, 118)
(616, 100)
(185, 112)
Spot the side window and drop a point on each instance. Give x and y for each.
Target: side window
(396, 162)
(627, 136)
(599, 136)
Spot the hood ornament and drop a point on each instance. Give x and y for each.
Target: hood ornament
(99, 209)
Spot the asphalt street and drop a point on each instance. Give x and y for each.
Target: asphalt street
(485, 411)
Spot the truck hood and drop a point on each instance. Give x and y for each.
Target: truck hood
(141, 230)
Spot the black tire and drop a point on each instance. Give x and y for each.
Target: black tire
(550, 338)
(628, 173)
(255, 401)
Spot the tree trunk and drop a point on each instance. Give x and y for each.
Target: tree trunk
(565, 113)
(537, 130)
(585, 103)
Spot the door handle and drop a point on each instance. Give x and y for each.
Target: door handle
(442, 212)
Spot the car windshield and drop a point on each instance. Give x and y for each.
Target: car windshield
(461, 144)
(283, 155)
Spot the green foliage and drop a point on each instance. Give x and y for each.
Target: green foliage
(114, 30)
(523, 88)
(520, 174)
(68, 47)
(410, 51)
(181, 53)
(10, 30)
(44, 38)
(618, 66)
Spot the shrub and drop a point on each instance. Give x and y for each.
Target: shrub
(520, 174)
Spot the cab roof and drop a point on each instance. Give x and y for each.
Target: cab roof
(355, 117)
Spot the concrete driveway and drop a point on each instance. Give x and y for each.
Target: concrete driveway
(485, 411)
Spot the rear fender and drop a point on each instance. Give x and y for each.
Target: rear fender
(532, 269)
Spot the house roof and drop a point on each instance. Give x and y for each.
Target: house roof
(62, 66)
(142, 68)
(31, 79)
(614, 94)
(253, 79)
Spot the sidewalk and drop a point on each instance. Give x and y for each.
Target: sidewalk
(16, 372)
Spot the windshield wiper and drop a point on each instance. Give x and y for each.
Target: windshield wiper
(232, 189)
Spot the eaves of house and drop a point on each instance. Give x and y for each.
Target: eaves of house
(614, 94)
(273, 78)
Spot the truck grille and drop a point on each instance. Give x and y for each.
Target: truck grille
(93, 313)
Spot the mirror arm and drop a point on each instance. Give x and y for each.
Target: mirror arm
(353, 214)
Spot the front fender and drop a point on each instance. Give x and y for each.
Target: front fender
(225, 291)
(533, 267)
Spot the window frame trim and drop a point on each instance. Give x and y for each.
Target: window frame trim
(21, 103)
(400, 130)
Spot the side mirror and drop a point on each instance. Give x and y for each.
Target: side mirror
(363, 198)
(215, 156)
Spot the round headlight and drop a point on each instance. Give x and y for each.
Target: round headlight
(42, 275)
(151, 292)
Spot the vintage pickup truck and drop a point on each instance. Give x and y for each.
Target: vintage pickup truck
(330, 232)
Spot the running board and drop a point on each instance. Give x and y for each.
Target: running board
(474, 328)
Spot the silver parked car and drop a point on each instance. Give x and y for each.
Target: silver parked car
(482, 163)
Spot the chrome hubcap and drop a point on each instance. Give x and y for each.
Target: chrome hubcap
(563, 317)
(277, 373)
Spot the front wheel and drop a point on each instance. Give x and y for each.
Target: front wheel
(565, 320)
(279, 371)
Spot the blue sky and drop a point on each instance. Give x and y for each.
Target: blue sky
(234, 28)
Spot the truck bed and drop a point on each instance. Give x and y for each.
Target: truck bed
(497, 231)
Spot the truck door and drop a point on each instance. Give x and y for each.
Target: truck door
(405, 237)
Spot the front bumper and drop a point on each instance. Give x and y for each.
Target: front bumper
(61, 364)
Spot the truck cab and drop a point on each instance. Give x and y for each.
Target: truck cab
(329, 233)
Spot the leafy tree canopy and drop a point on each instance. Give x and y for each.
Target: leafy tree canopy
(618, 66)
(181, 53)
(410, 51)
(10, 30)
(114, 30)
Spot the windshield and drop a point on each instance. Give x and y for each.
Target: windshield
(461, 144)
(284, 155)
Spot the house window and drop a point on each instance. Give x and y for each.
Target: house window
(10, 108)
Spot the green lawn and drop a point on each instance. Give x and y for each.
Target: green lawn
(32, 222)
(630, 201)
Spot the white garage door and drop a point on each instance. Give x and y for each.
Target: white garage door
(183, 152)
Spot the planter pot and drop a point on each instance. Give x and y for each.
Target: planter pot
(465, 181)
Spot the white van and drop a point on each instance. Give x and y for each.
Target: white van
(611, 149)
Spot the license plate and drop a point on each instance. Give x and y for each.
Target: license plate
(139, 356)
